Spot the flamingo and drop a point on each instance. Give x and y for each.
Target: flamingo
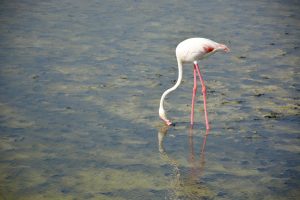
(191, 51)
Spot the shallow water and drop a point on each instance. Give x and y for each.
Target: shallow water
(80, 88)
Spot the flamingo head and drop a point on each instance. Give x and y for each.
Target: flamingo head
(162, 115)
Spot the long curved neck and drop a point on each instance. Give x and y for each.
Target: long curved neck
(174, 87)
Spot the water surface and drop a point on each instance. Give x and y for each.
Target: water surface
(80, 89)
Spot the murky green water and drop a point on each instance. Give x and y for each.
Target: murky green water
(80, 89)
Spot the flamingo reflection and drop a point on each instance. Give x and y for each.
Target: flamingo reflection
(182, 185)
(197, 167)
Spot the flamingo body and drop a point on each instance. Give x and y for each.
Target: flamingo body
(190, 51)
(195, 49)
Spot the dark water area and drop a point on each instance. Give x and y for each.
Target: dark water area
(80, 84)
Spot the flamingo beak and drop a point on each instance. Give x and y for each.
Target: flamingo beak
(226, 49)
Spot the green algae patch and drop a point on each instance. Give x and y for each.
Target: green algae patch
(14, 118)
(190, 189)
(25, 180)
(109, 180)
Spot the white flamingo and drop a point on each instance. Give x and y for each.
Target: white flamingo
(190, 51)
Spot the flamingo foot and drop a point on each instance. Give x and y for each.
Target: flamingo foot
(191, 126)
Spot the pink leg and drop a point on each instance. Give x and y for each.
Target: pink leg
(193, 96)
(204, 94)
